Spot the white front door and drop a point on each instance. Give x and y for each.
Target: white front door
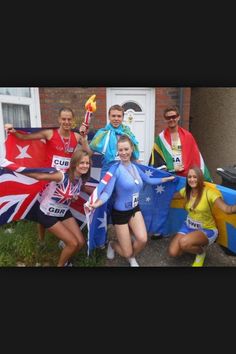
(139, 105)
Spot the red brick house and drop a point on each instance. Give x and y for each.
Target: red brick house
(37, 107)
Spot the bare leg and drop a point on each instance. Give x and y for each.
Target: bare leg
(69, 232)
(174, 249)
(123, 245)
(193, 242)
(190, 243)
(138, 227)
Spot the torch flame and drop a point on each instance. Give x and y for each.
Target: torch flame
(90, 105)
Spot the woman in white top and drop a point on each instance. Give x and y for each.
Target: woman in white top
(53, 210)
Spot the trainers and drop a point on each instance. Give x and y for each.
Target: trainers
(199, 260)
(68, 264)
(157, 236)
(61, 244)
(110, 251)
(133, 262)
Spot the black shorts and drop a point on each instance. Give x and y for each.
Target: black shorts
(33, 213)
(120, 217)
(46, 220)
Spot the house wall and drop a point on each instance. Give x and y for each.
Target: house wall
(52, 99)
(169, 96)
(213, 125)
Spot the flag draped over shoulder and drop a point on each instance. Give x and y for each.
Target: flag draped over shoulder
(105, 141)
(154, 203)
(190, 153)
(18, 193)
(97, 219)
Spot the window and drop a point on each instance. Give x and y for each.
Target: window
(18, 115)
(15, 91)
(132, 105)
(20, 107)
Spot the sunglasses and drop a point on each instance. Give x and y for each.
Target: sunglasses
(172, 117)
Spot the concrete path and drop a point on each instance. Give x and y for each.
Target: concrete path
(155, 255)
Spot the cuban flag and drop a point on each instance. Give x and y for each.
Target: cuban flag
(154, 202)
(27, 153)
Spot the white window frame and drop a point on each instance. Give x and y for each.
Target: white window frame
(32, 102)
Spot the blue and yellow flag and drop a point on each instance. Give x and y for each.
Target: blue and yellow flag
(226, 223)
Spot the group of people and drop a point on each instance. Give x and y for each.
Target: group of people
(175, 148)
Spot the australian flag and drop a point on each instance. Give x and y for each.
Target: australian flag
(154, 202)
(98, 219)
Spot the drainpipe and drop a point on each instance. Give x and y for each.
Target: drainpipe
(181, 104)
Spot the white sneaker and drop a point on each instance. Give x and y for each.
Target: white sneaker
(110, 251)
(133, 262)
(61, 244)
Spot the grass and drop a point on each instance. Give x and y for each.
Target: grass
(19, 246)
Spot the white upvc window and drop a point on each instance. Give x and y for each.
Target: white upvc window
(19, 106)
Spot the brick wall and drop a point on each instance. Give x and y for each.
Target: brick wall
(52, 99)
(168, 96)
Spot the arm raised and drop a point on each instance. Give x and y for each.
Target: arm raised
(42, 134)
(41, 176)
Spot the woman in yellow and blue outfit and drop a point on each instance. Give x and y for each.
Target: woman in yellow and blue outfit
(199, 229)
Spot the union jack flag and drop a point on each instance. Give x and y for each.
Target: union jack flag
(64, 192)
(18, 194)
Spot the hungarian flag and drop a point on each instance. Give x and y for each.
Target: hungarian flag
(191, 156)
